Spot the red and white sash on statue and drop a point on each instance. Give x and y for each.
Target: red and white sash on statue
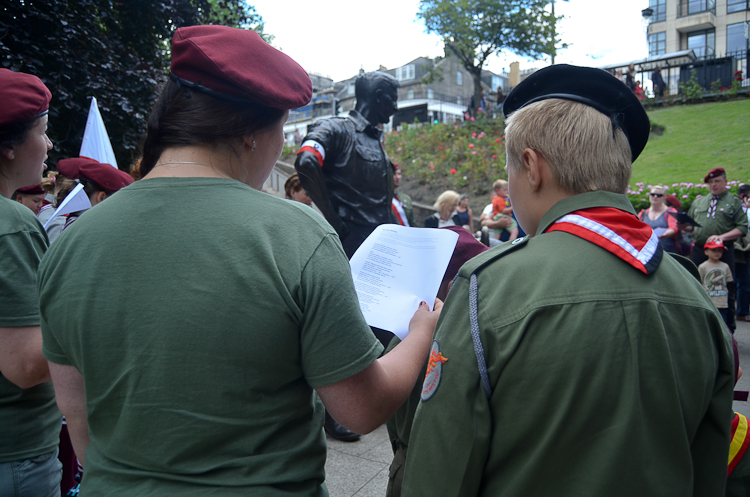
(398, 211)
(616, 231)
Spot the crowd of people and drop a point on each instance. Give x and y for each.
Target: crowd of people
(195, 348)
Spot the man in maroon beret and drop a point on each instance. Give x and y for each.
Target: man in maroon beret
(721, 218)
(345, 169)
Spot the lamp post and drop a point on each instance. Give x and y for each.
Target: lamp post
(646, 14)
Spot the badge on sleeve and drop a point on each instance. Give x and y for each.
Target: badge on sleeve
(434, 371)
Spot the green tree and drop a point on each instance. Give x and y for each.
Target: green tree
(476, 29)
(116, 51)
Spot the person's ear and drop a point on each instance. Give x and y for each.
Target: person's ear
(100, 196)
(8, 153)
(19, 198)
(532, 163)
(248, 142)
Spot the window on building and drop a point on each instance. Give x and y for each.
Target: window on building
(405, 73)
(410, 94)
(737, 6)
(460, 99)
(459, 78)
(702, 43)
(350, 89)
(657, 44)
(430, 93)
(696, 6)
(736, 40)
(660, 10)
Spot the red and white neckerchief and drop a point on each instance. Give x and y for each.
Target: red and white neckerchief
(712, 207)
(616, 231)
(69, 221)
(398, 211)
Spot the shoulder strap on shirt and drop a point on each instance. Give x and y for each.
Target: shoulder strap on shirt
(476, 337)
(740, 441)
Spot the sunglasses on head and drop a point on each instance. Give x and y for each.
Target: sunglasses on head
(656, 194)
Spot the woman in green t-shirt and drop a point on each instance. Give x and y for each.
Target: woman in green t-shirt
(29, 418)
(192, 353)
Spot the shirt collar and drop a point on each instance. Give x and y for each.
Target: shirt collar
(584, 201)
(362, 124)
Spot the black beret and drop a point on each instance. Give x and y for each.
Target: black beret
(589, 86)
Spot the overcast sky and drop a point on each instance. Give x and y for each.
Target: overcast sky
(337, 37)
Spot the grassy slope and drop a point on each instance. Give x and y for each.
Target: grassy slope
(697, 138)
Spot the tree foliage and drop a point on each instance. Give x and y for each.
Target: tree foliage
(115, 51)
(476, 29)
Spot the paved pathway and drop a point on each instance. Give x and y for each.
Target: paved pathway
(361, 468)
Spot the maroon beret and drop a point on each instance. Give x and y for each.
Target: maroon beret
(237, 64)
(466, 248)
(715, 172)
(673, 201)
(69, 167)
(104, 175)
(24, 97)
(31, 190)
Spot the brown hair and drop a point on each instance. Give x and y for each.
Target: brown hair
(183, 117)
(292, 184)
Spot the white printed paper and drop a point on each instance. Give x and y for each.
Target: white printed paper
(395, 269)
(77, 200)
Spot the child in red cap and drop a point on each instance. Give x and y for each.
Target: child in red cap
(715, 275)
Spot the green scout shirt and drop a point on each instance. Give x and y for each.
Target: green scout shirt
(201, 328)
(729, 215)
(29, 419)
(604, 380)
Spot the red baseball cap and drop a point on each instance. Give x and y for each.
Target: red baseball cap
(24, 97)
(31, 190)
(713, 173)
(236, 64)
(714, 244)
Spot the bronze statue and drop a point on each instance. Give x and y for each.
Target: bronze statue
(344, 168)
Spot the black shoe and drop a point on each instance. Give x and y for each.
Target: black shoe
(338, 432)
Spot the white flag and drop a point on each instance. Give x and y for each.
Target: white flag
(96, 144)
(77, 200)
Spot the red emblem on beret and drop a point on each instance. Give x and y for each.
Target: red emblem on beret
(238, 64)
(715, 172)
(24, 97)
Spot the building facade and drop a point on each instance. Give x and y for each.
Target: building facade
(710, 28)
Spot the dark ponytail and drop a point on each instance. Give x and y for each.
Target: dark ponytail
(183, 117)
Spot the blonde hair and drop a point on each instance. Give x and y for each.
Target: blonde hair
(48, 183)
(654, 189)
(501, 183)
(446, 200)
(585, 154)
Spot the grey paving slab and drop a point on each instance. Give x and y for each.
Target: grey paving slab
(359, 468)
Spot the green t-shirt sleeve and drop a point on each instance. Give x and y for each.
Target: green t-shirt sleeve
(449, 441)
(20, 254)
(336, 342)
